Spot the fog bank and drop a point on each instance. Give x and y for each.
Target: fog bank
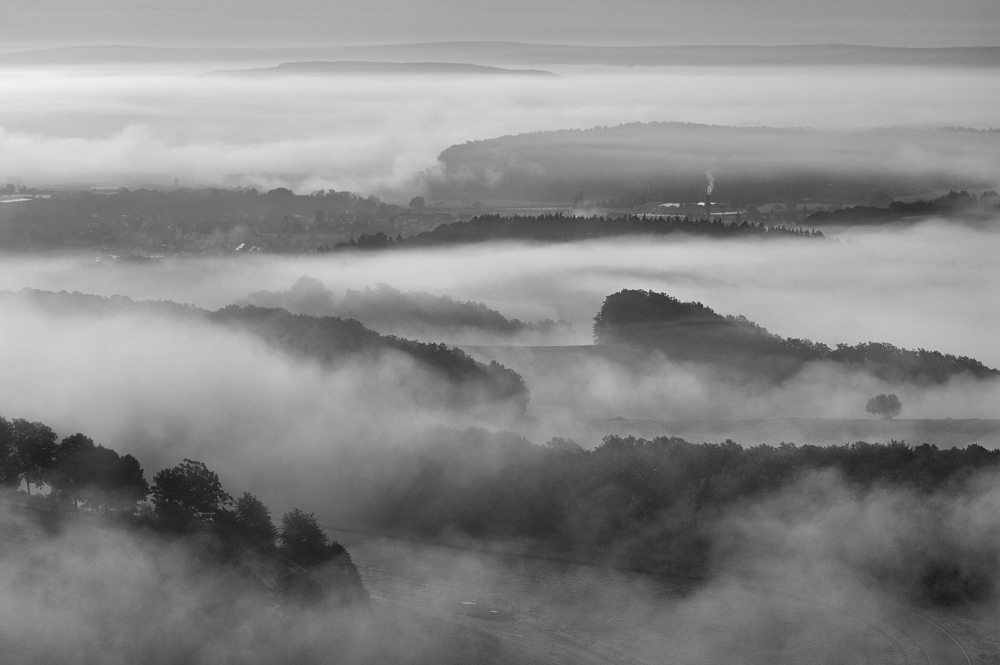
(132, 125)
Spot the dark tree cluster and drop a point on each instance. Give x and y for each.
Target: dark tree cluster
(183, 499)
(886, 406)
(377, 240)
(563, 228)
(502, 485)
(635, 499)
(77, 471)
(692, 331)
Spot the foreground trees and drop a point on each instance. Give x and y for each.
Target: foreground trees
(304, 539)
(187, 499)
(252, 521)
(187, 492)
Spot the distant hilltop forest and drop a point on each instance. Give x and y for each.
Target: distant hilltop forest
(631, 164)
(360, 68)
(330, 340)
(389, 310)
(690, 331)
(566, 228)
(508, 53)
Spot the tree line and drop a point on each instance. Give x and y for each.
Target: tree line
(386, 309)
(636, 498)
(563, 228)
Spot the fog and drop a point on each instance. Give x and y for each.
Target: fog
(133, 125)
(808, 574)
(805, 574)
(165, 388)
(929, 286)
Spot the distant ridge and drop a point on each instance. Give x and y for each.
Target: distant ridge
(522, 54)
(368, 68)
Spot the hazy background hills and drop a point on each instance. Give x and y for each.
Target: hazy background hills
(668, 162)
(522, 53)
(309, 22)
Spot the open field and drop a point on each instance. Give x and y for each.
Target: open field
(586, 392)
(495, 609)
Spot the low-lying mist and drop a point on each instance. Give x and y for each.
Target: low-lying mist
(135, 124)
(926, 287)
(806, 573)
(166, 388)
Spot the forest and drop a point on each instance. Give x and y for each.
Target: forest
(649, 504)
(558, 227)
(692, 331)
(634, 502)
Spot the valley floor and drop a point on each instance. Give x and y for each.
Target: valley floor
(482, 608)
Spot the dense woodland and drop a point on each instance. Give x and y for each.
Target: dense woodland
(564, 228)
(692, 331)
(328, 339)
(632, 500)
(185, 500)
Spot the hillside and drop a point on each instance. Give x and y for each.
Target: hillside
(692, 331)
(361, 68)
(326, 339)
(413, 313)
(667, 162)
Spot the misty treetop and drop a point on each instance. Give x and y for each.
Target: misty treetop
(330, 340)
(389, 310)
(691, 331)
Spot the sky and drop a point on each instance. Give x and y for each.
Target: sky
(48, 23)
